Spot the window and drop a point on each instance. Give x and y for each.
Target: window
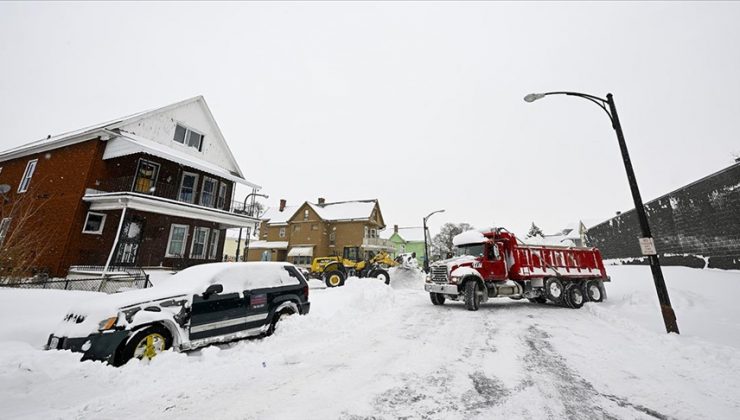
(188, 137)
(146, 176)
(4, 226)
(30, 168)
(305, 214)
(177, 241)
(221, 195)
(208, 192)
(281, 233)
(315, 226)
(188, 187)
(200, 238)
(366, 232)
(94, 223)
(296, 228)
(213, 244)
(332, 237)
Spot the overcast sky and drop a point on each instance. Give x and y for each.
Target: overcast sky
(418, 105)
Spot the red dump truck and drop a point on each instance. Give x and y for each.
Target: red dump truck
(496, 264)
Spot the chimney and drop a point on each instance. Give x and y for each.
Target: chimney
(282, 204)
(618, 213)
(395, 228)
(322, 201)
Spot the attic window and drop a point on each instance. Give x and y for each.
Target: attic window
(188, 137)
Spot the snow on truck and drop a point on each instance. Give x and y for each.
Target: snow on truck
(496, 264)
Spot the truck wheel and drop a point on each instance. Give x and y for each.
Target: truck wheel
(381, 275)
(574, 296)
(554, 290)
(334, 278)
(593, 291)
(437, 298)
(146, 344)
(472, 295)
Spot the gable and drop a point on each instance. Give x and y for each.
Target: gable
(159, 126)
(298, 216)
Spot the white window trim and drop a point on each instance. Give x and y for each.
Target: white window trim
(184, 241)
(214, 194)
(213, 244)
(187, 132)
(102, 223)
(195, 186)
(27, 175)
(205, 243)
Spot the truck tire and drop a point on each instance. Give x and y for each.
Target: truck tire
(381, 275)
(593, 291)
(437, 298)
(554, 290)
(574, 296)
(472, 296)
(334, 278)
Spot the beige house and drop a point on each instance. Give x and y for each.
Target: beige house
(297, 234)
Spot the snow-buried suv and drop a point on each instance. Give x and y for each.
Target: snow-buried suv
(198, 306)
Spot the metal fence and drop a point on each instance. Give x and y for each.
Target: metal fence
(117, 282)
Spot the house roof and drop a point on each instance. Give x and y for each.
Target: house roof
(274, 216)
(103, 130)
(345, 210)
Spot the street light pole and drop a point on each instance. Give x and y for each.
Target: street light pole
(646, 242)
(426, 247)
(249, 213)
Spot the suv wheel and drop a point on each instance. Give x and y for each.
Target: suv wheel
(146, 344)
(276, 318)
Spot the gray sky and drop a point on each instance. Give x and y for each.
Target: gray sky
(418, 105)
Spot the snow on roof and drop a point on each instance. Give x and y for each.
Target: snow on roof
(411, 234)
(55, 141)
(269, 244)
(274, 216)
(345, 210)
(128, 143)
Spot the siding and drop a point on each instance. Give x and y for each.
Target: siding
(699, 220)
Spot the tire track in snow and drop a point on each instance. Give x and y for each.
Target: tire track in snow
(579, 398)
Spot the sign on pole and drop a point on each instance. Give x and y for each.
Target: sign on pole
(647, 246)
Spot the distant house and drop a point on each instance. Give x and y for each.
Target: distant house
(573, 235)
(297, 234)
(151, 189)
(408, 240)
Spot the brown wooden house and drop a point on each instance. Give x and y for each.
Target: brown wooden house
(298, 233)
(151, 189)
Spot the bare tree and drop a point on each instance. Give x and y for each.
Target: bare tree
(442, 242)
(24, 236)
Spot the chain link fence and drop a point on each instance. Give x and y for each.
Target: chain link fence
(117, 281)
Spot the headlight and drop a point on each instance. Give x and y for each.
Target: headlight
(454, 279)
(107, 323)
(428, 278)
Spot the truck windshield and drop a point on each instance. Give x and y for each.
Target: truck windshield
(475, 250)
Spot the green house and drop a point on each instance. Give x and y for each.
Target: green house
(408, 239)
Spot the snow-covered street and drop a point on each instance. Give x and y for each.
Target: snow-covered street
(371, 351)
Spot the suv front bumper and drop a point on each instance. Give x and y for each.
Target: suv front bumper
(446, 289)
(99, 346)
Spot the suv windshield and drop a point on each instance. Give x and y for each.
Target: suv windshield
(475, 250)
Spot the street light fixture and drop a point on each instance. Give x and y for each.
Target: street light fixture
(249, 213)
(647, 244)
(426, 247)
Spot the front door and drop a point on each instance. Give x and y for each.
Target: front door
(128, 241)
(217, 315)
